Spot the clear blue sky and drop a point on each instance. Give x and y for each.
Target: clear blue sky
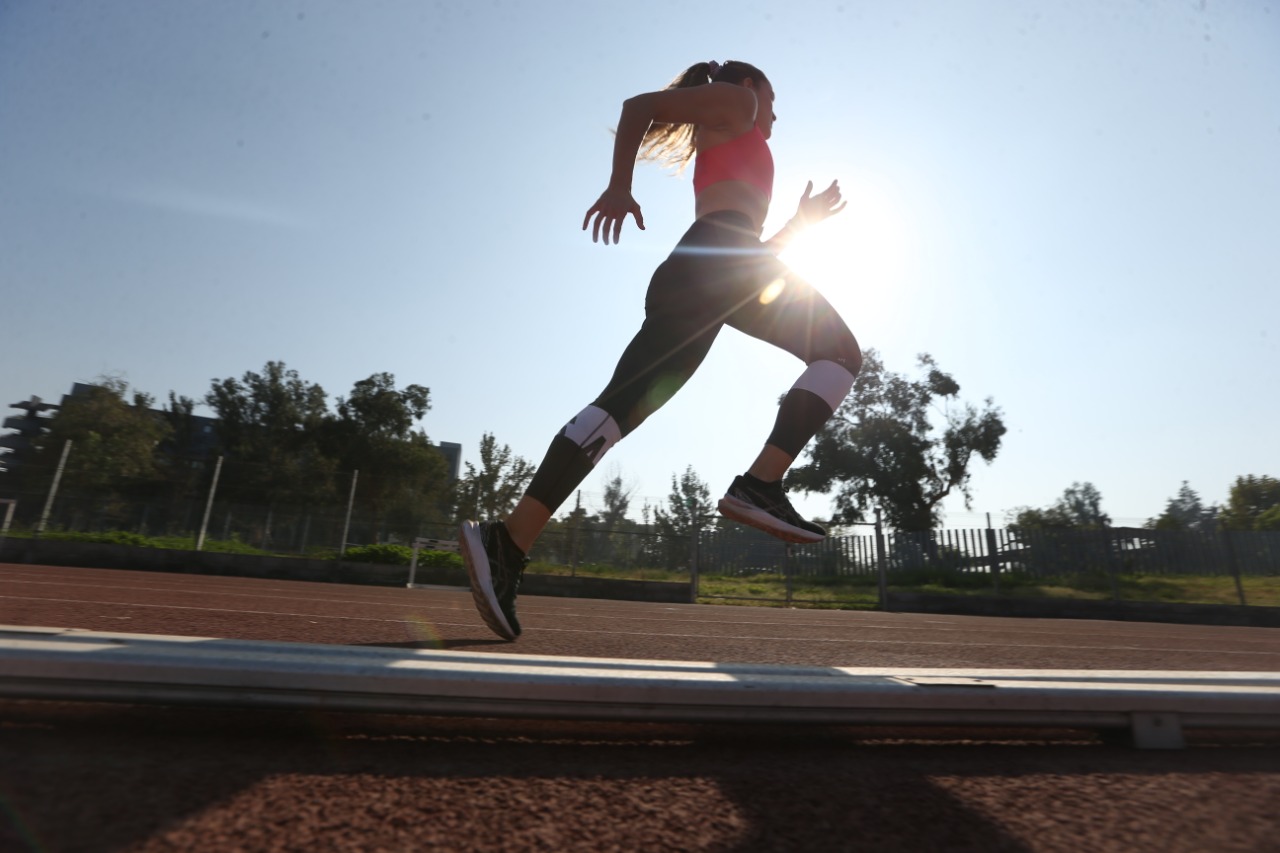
(1074, 205)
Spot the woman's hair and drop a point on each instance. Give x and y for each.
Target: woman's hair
(672, 144)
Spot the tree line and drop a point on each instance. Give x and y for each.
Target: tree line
(884, 448)
(898, 444)
(1253, 503)
(282, 444)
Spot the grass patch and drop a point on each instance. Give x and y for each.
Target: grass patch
(601, 570)
(863, 592)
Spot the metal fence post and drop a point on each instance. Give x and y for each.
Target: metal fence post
(693, 567)
(993, 555)
(786, 569)
(208, 506)
(1112, 562)
(881, 563)
(53, 489)
(346, 525)
(9, 504)
(1234, 565)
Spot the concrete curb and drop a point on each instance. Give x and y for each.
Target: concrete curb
(68, 665)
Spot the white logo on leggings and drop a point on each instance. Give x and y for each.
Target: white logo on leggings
(594, 430)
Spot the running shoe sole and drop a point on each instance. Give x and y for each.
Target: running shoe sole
(482, 592)
(751, 515)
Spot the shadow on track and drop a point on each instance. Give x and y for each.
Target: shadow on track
(94, 777)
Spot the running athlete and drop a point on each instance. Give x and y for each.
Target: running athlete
(721, 273)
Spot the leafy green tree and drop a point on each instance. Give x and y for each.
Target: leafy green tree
(689, 506)
(183, 475)
(1082, 503)
(882, 448)
(1079, 508)
(1252, 504)
(270, 427)
(114, 442)
(402, 475)
(617, 500)
(689, 511)
(1268, 519)
(1185, 511)
(490, 492)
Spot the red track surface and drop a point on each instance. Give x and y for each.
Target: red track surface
(94, 777)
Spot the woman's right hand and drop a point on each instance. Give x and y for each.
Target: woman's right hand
(610, 211)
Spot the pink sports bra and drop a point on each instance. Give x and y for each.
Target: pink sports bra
(743, 158)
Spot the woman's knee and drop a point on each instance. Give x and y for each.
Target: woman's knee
(840, 346)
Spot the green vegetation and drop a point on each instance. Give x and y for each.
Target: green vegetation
(137, 540)
(402, 555)
(863, 593)
(599, 570)
(900, 445)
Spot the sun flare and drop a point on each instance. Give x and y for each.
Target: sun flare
(862, 253)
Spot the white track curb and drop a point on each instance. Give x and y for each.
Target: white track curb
(59, 664)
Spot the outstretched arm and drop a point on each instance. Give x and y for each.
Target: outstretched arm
(611, 209)
(812, 209)
(715, 104)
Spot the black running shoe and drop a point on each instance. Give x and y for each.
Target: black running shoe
(495, 565)
(765, 507)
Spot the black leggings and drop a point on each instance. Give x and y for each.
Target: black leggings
(719, 274)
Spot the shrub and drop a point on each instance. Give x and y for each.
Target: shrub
(110, 537)
(440, 559)
(390, 555)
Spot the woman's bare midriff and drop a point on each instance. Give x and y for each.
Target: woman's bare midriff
(734, 195)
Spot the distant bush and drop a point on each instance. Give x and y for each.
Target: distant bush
(110, 537)
(401, 555)
(390, 555)
(440, 559)
(137, 540)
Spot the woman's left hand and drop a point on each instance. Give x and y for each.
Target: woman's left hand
(815, 208)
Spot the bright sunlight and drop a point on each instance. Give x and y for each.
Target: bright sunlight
(863, 253)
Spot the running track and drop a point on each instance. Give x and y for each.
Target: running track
(91, 777)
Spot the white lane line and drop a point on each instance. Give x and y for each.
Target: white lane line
(193, 590)
(861, 641)
(117, 605)
(614, 631)
(544, 608)
(614, 619)
(857, 641)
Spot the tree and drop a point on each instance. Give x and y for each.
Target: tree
(183, 473)
(114, 440)
(689, 511)
(1082, 503)
(1268, 519)
(617, 500)
(113, 456)
(402, 475)
(270, 426)
(1079, 508)
(882, 449)
(689, 506)
(1252, 504)
(490, 492)
(1185, 511)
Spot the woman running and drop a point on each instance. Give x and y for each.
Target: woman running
(720, 273)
